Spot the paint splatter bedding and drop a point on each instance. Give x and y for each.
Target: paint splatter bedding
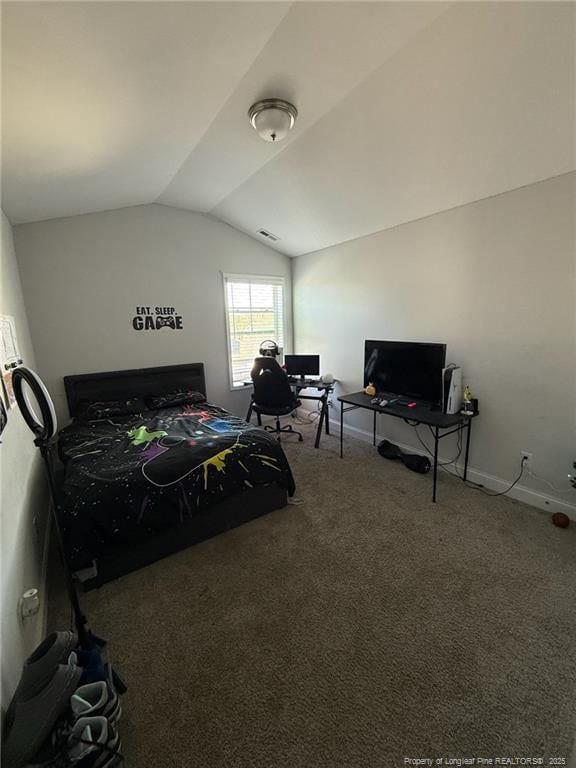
(131, 477)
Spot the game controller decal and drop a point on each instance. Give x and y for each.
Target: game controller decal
(169, 465)
(178, 461)
(156, 318)
(131, 478)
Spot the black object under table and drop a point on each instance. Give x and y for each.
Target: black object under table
(420, 414)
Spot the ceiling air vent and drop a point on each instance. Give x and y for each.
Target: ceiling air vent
(268, 235)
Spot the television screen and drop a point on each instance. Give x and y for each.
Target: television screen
(405, 368)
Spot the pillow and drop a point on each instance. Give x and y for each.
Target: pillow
(170, 399)
(108, 408)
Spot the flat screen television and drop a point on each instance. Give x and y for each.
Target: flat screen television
(405, 368)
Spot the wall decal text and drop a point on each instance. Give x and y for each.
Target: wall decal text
(155, 318)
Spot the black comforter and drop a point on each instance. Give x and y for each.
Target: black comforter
(131, 477)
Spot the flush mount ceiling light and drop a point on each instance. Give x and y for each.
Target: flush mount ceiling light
(272, 119)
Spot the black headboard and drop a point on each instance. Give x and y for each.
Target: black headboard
(119, 385)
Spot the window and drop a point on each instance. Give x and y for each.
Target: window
(254, 312)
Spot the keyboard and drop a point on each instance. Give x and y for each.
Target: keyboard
(298, 380)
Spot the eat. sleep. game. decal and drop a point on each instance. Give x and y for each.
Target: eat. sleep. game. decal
(155, 318)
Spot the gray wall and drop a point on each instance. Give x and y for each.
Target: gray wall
(83, 277)
(495, 280)
(23, 509)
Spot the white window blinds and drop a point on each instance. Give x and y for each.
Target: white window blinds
(254, 312)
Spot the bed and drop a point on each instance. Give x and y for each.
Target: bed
(174, 470)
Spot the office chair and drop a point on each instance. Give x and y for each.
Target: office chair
(272, 396)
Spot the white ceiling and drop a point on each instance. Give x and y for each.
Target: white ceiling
(406, 109)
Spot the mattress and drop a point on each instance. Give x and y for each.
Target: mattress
(130, 478)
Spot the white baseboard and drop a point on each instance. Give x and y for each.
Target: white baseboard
(521, 493)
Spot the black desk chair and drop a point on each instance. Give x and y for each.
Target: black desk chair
(272, 396)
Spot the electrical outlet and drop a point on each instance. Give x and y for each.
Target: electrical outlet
(528, 459)
(29, 603)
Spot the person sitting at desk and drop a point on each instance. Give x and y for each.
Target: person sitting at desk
(273, 395)
(274, 389)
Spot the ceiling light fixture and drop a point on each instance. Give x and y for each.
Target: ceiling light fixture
(272, 119)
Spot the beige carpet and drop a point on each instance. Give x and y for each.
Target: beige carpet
(361, 627)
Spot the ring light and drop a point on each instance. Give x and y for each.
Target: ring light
(46, 427)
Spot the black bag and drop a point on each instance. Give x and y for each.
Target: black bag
(413, 461)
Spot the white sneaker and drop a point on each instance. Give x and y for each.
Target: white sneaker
(94, 743)
(96, 699)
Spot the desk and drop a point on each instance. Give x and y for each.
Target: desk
(422, 414)
(298, 384)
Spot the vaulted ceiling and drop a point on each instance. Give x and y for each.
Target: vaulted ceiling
(405, 109)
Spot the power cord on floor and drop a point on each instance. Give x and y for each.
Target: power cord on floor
(470, 483)
(440, 463)
(311, 418)
(479, 487)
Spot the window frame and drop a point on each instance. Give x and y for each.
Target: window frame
(248, 278)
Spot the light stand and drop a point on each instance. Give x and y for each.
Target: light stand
(44, 431)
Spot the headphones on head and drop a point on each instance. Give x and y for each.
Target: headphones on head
(269, 348)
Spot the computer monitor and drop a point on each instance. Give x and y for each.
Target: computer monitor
(302, 365)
